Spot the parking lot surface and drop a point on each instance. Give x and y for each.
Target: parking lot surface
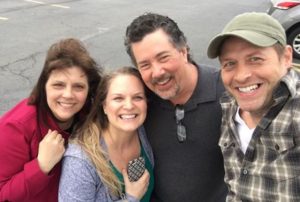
(29, 27)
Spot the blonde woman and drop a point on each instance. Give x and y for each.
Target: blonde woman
(96, 162)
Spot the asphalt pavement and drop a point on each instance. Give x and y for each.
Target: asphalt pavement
(29, 27)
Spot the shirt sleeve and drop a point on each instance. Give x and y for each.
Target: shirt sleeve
(130, 198)
(20, 174)
(78, 181)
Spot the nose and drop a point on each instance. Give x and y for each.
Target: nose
(157, 70)
(128, 104)
(243, 73)
(68, 92)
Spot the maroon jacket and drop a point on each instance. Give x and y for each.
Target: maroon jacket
(21, 178)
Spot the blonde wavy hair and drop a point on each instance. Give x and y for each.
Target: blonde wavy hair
(89, 135)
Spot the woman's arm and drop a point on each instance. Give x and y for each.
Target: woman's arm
(20, 174)
(78, 181)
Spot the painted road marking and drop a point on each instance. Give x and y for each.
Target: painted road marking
(3, 18)
(33, 1)
(59, 6)
(92, 35)
(54, 5)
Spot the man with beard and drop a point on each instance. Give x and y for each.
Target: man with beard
(184, 115)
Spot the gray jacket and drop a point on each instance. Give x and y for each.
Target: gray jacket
(80, 181)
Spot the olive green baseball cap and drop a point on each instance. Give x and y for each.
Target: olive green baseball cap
(259, 29)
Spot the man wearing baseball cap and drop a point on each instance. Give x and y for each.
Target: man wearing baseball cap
(260, 138)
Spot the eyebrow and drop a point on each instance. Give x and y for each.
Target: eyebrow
(83, 75)
(225, 56)
(75, 83)
(162, 53)
(137, 93)
(156, 56)
(80, 83)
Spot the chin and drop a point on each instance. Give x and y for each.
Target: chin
(166, 95)
(64, 118)
(250, 108)
(131, 129)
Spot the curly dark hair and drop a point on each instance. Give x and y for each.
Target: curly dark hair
(150, 22)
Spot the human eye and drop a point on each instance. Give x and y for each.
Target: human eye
(79, 87)
(144, 66)
(255, 59)
(117, 98)
(58, 85)
(228, 65)
(138, 97)
(163, 58)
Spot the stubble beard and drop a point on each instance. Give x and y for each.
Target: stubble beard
(168, 94)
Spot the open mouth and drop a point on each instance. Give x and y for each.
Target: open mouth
(249, 89)
(66, 105)
(163, 80)
(128, 116)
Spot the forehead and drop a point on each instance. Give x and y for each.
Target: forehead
(154, 39)
(236, 44)
(125, 83)
(68, 72)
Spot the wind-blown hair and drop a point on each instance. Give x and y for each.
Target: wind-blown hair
(64, 54)
(150, 22)
(89, 135)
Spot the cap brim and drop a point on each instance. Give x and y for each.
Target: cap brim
(254, 38)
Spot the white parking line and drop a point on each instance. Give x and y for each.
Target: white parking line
(59, 6)
(54, 5)
(38, 2)
(3, 18)
(92, 35)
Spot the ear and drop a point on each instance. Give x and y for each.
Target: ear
(287, 57)
(104, 107)
(184, 52)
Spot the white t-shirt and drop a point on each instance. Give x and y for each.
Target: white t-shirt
(245, 133)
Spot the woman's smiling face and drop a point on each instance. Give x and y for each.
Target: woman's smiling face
(66, 91)
(125, 104)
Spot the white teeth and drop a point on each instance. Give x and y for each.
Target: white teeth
(66, 104)
(128, 116)
(163, 81)
(248, 88)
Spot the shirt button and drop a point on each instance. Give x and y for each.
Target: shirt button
(245, 171)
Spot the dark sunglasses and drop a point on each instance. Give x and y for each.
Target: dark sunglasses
(181, 131)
